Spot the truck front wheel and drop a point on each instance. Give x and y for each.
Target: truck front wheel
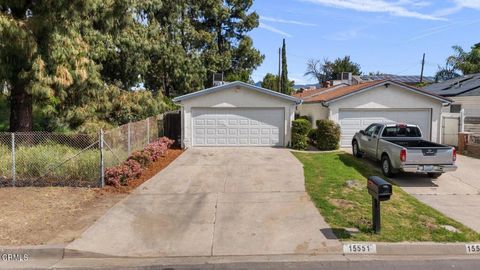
(355, 150)
(387, 166)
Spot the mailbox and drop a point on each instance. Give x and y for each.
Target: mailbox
(379, 188)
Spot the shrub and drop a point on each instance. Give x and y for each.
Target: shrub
(299, 141)
(328, 135)
(306, 117)
(301, 126)
(142, 157)
(132, 168)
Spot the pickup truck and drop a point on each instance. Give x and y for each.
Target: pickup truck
(400, 148)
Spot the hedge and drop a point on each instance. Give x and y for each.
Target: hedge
(328, 135)
(300, 129)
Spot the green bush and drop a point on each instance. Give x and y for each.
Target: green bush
(299, 141)
(300, 128)
(328, 135)
(306, 117)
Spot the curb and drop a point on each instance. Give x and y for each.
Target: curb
(38, 252)
(59, 252)
(408, 248)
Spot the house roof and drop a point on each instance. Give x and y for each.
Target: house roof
(312, 92)
(468, 85)
(237, 84)
(408, 79)
(343, 92)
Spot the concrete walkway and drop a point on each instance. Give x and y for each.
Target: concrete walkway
(215, 201)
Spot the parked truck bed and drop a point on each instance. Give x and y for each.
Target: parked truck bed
(415, 143)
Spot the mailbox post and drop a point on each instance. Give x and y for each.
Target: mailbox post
(380, 190)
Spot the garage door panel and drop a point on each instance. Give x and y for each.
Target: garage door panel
(351, 121)
(238, 126)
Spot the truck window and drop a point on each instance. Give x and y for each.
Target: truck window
(370, 130)
(401, 132)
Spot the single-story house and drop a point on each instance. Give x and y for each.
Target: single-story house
(464, 91)
(236, 114)
(355, 107)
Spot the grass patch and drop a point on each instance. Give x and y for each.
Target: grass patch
(404, 218)
(50, 164)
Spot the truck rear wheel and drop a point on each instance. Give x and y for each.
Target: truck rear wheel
(387, 166)
(434, 175)
(355, 150)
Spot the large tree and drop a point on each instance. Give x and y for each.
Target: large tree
(270, 81)
(327, 70)
(63, 55)
(466, 62)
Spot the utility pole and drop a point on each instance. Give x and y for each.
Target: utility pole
(279, 65)
(423, 65)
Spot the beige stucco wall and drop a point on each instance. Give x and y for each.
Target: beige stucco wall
(471, 105)
(314, 110)
(236, 97)
(393, 97)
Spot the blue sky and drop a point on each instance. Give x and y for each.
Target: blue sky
(380, 35)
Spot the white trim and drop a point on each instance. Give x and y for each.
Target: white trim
(237, 84)
(421, 92)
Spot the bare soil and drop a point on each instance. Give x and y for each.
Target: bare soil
(54, 215)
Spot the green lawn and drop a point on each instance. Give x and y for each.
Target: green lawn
(404, 218)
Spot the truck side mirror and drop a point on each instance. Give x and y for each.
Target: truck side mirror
(362, 132)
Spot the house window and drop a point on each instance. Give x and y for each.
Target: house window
(455, 108)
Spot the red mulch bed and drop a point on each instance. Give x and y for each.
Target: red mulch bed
(147, 173)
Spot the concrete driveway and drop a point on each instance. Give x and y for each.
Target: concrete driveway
(215, 201)
(455, 194)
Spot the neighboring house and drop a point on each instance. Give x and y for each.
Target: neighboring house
(236, 114)
(406, 79)
(355, 107)
(464, 91)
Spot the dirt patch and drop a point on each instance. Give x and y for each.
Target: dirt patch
(44, 215)
(343, 204)
(52, 215)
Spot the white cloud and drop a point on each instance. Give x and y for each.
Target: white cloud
(468, 3)
(276, 20)
(274, 30)
(397, 8)
(439, 29)
(458, 6)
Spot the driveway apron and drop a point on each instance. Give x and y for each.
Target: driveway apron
(215, 201)
(455, 194)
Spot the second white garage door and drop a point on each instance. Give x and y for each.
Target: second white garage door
(352, 121)
(238, 126)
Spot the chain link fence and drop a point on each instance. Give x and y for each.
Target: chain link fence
(54, 159)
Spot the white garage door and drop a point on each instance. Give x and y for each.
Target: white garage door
(352, 121)
(238, 126)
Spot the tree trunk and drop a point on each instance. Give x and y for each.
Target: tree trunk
(20, 109)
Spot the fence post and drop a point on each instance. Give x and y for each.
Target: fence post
(148, 130)
(129, 146)
(462, 120)
(14, 171)
(102, 164)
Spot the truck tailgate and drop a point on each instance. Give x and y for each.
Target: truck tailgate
(429, 155)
